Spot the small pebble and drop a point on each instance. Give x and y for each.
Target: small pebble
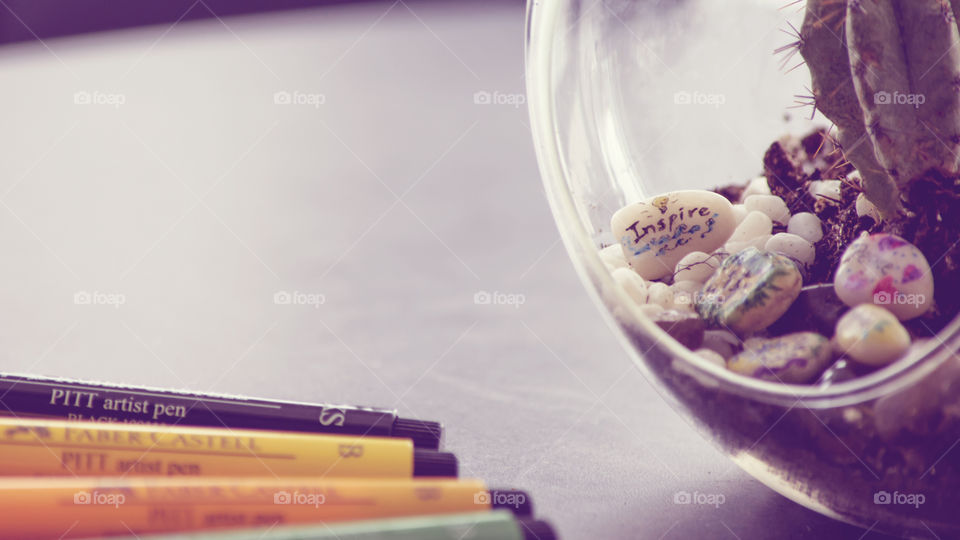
(635, 286)
(612, 257)
(650, 310)
(683, 326)
(657, 233)
(722, 342)
(771, 205)
(757, 242)
(711, 356)
(754, 225)
(867, 208)
(696, 266)
(757, 186)
(871, 335)
(749, 291)
(807, 226)
(660, 294)
(792, 246)
(739, 212)
(888, 271)
(795, 358)
(685, 293)
(827, 189)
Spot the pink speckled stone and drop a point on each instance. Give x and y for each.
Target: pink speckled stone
(885, 270)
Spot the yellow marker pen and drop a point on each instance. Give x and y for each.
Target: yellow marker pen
(32, 447)
(90, 507)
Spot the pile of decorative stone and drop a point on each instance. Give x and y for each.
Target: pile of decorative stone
(716, 275)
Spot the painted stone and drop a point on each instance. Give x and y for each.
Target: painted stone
(795, 358)
(871, 335)
(749, 291)
(885, 270)
(657, 233)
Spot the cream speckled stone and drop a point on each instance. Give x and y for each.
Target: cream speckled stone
(792, 246)
(657, 233)
(696, 266)
(807, 226)
(871, 335)
(794, 358)
(888, 271)
(771, 205)
(749, 291)
(612, 257)
(635, 286)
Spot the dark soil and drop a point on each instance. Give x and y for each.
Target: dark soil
(931, 221)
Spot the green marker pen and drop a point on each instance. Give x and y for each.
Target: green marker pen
(494, 525)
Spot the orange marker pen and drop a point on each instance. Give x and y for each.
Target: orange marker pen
(89, 507)
(33, 447)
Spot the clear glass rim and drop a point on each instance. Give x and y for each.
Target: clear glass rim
(541, 22)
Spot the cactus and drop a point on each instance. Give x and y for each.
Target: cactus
(887, 74)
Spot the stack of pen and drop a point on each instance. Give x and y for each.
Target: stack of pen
(85, 460)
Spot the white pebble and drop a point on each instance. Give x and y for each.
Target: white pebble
(829, 189)
(635, 286)
(792, 246)
(807, 226)
(770, 205)
(855, 177)
(660, 294)
(612, 257)
(739, 212)
(758, 242)
(711, 356)
(867, 208)
(696, 266)
(757, 186)
(685, 294)
(754, 225)
(720, 341)
(651, 310)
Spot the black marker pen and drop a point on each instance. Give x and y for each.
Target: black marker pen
(27, 396)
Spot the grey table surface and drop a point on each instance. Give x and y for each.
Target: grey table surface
(182, 198)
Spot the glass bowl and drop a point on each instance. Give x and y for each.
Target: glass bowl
(632, 98)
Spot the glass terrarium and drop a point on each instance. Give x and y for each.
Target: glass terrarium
(631, 99)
